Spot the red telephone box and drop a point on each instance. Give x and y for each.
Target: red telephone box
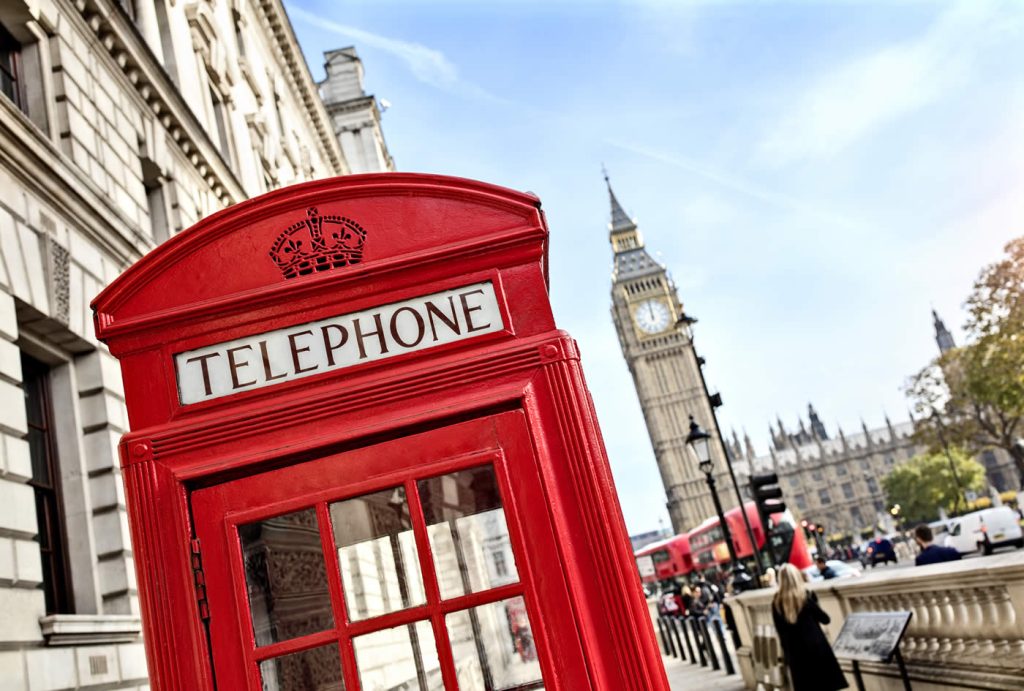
(363, 457)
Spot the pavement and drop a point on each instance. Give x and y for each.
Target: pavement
(682, 676)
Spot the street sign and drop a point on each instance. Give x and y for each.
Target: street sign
(871, 636)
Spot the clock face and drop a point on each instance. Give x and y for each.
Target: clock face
(652, 316)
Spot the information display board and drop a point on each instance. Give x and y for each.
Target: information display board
(871, 636)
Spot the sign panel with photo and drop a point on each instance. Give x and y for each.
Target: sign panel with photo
(871, 636)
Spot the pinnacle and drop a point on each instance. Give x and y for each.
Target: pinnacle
(620, 219)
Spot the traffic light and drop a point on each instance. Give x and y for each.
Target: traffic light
(767, 496)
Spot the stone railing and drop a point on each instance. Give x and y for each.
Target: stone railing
(967, 628)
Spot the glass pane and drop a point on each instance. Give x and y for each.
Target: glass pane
(468, 533)
(317, 669)
(493, 647)
(380, 569)
(399, 659)
(286, 577)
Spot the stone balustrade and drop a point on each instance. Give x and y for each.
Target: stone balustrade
(967, 628)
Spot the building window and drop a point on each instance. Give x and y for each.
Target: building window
(865, 464)
(129, 8)
(156, 199)
(239, 32)
(847, 490)
(500, 564)
(816, 475)
(856, 515)
(46, 483)
(872, 485)
(166, 40)
(801, 502)
(841, 470)
(277, 116)
(220, 117)
(10, 57)
(824, 497)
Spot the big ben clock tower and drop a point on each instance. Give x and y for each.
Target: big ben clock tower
(661, 358)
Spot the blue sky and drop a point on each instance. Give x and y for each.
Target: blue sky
(816, 176)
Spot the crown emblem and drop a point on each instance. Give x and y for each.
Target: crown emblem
(318, 243)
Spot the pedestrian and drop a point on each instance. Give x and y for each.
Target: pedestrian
(687, 596)
(930, 552)
(699, 606)
(824, 570)
(798, 619)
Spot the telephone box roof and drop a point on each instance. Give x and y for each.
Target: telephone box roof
(237, 255)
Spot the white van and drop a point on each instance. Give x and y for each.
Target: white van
(985, 530)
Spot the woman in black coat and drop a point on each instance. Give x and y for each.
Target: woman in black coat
(798, 619)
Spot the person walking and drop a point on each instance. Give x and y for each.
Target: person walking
(798, 619)
(930, 552)
(824, 570)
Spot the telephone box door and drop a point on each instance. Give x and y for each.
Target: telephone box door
(411, 563)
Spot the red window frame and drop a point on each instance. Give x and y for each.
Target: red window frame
(219, 510)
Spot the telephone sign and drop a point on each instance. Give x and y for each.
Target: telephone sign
(363, 456)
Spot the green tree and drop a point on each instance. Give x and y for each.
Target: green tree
(973, 396)
(925, 483)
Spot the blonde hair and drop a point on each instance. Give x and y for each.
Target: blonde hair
(791, 595)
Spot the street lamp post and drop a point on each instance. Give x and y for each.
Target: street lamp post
(699, 442)
(952, 464)
(687, 322)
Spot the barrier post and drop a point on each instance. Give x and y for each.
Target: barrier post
(699, 641)
(710, 645)
(726, 657)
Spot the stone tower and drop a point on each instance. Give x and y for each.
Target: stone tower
(943, 338)
(666, 372)
(354, 114)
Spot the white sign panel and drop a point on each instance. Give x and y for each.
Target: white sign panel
(646, 566)
(335, 343)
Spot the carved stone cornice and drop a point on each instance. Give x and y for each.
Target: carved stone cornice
(274, 18)
(118, 35)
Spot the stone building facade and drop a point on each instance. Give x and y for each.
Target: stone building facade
(836, 481)
(120, 125)
(659, 351)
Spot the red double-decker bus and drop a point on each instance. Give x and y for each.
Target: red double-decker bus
(787, 543)
(665, 559)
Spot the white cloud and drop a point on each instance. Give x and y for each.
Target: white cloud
(428, 65)
(850, 102)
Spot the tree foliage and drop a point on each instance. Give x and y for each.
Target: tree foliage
(973, 396)
(926, 483)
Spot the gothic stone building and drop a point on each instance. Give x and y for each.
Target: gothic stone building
(120, 125)
(835, 482)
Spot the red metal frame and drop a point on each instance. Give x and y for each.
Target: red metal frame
(214, 282)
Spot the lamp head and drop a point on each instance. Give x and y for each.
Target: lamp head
(699, 442)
